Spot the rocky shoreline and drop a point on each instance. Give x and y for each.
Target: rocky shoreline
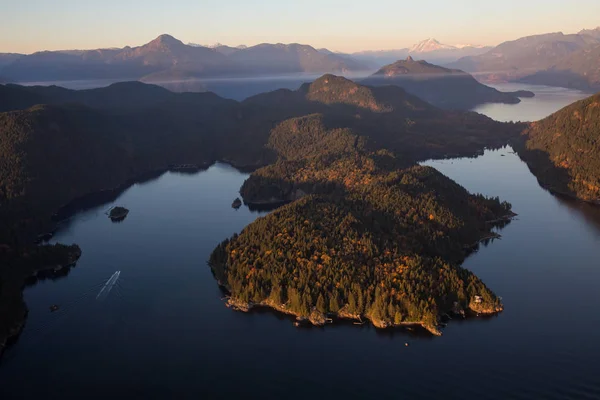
(317, 318)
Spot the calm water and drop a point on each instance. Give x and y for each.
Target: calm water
(163, 332)
(547, 100)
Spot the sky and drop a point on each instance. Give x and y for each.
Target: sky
(27, 26)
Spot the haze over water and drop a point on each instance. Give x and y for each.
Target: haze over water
(164, 332)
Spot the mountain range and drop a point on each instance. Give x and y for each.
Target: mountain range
(553, 59)
(167, 59)
(178, 66)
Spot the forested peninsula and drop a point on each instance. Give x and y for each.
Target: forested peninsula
(374, 242)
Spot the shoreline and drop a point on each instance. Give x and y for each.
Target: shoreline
(316, 318)
(100, 197)
(319, 319)
(12, 306)
(14, 286)
(552, 189)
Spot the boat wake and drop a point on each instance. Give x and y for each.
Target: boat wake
(110, 283)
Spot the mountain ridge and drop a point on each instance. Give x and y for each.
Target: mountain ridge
(554, 59)
(170, 59)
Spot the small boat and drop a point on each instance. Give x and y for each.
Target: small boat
(296, 324)
(54, 307)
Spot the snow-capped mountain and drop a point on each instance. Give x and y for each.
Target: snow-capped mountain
(469, 46)
(431, 44)
(428, 45)
(217, 46)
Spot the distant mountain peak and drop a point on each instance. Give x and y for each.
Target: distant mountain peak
(429, 44)
(165, 40)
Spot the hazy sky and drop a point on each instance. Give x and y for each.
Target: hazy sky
(344, 25)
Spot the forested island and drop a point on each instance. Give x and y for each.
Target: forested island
(375, 242)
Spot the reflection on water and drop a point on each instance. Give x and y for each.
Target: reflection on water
(590, 212)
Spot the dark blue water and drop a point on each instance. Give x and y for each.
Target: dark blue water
(163, 332)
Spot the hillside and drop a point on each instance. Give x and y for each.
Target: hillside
(389, 116)
(123, 95)
(166, 60)
(562, 150)
(442, 87)
(579, 70)
(525, 56)
(52, 155)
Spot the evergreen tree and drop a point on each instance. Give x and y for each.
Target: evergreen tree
(321, 303)
(333, 303)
